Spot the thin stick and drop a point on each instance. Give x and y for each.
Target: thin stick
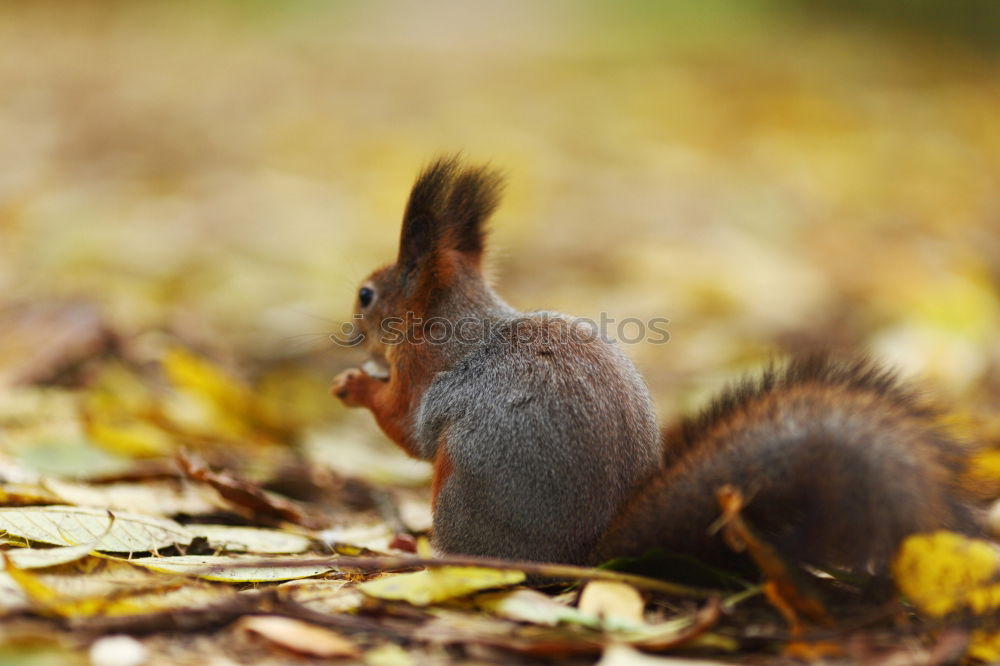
(388, 562)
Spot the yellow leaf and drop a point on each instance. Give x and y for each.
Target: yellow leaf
(49, 600)
(986, 464)
(207, 401)
(945, 572)
(985, 646)
(190, 373)
(129, 437)
(117, 412)
(430, 586)
(123, 600)
(424, 548)
(20, 494)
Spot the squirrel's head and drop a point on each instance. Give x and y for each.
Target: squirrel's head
(439, 268)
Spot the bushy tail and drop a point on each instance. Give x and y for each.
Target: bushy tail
(837, 461)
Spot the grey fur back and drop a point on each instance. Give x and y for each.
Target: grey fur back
(548, 429)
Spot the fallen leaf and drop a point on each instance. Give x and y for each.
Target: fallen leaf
(125, 600)
(299, 636)
(26, 494)
(430, 586)
(229, 568)
(249, 496)
(117, 532)
(453, 627)
(40, 558)
(324, 596)
(97, 577)
(985, 646)
(376, 537)
(251, 539)
(120, 414)
(945, 572)
(126, 437)
(207, 400)
(687, 629)
(155, 497)
(526, 605)
(619, 606)
(12, 597)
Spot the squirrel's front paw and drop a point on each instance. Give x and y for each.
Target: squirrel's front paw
(352, 387)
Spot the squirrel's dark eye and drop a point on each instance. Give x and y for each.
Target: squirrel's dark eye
(365, 296)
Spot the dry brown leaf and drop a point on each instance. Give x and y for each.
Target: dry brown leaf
(324, 596)
(246, 495)
(299, 636)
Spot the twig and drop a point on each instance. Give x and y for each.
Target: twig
(545, 570)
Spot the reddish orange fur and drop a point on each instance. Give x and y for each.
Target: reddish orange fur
(443, 467)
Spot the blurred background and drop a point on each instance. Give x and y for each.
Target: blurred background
(191, 192)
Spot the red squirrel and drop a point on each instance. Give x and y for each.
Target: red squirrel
(544, 440)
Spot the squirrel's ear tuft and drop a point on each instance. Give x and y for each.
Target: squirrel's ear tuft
(422, 219)
(475, 194)
(447, 210)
